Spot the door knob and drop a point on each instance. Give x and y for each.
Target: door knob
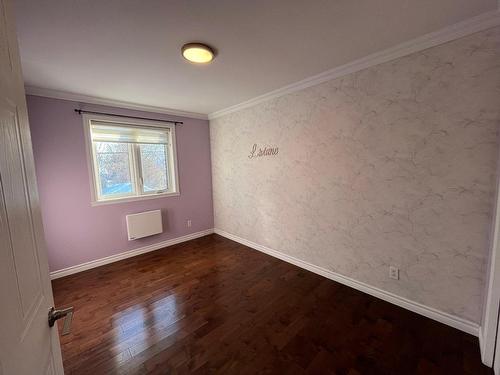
(67, 314)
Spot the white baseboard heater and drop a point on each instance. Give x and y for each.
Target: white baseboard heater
(144, 224)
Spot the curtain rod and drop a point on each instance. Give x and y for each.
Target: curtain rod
(80, 111)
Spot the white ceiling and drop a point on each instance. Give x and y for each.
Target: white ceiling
(129, 50)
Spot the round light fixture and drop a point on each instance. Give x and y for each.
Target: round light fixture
(198, 53)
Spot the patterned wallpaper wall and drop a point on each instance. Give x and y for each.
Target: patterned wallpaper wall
(392, 165)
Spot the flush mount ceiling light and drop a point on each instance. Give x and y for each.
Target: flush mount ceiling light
(198, 53)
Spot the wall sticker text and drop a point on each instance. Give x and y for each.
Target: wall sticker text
(258, 152)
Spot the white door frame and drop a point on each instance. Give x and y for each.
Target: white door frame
(489, 327)
(496, 365)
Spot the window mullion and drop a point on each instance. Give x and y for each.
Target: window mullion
(133, 167)
(138, 169)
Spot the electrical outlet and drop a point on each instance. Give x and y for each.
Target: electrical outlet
(188, 223)
(394, 272)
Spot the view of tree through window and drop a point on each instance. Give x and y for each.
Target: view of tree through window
(154, 167)
(131, 159)
(113, 163)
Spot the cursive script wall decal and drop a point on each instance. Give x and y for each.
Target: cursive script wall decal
(259, 152)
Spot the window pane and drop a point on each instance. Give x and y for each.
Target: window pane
(154, 167)
(113, 166)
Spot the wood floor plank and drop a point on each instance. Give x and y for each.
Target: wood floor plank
(212, 305)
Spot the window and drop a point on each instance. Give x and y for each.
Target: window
(130, 159)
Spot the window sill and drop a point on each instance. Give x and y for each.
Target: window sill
(133, 199)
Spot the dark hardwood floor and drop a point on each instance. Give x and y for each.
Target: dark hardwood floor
(212, 305)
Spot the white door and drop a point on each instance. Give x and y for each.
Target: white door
(27, 344)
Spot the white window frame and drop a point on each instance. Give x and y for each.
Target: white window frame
(173, 177)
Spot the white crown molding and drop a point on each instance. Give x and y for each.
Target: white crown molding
(447, 34)
(56, 94)
(126, 254)
(472, 25)
(429, 312)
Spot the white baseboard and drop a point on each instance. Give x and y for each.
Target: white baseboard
(126, 254)
(429, 312)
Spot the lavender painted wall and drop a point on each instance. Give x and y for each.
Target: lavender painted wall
(75, 231)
